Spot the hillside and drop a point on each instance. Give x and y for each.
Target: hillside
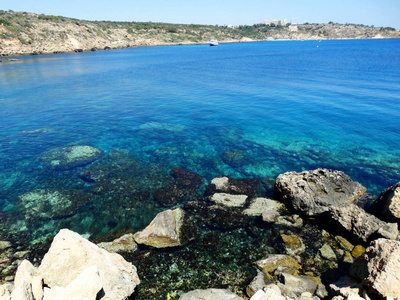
(28, 33)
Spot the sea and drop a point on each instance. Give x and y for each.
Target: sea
(245, 110)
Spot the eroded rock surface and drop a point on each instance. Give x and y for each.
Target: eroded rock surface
(210, 294)
(313, 192)
(387, 206)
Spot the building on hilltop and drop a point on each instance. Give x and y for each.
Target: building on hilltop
(274, 22)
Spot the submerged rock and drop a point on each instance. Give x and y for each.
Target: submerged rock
(169, 228)
(387, 206)
(229, 200)
(379, 268)
(234, 186)
(65, 158)
(187, 179)
(123, 244)
(361, 224)
(210, 294)
(48, 203)
(313, 192)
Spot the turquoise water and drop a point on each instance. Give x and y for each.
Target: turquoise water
(243, 110)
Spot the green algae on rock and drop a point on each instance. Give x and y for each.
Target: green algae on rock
(65, 158)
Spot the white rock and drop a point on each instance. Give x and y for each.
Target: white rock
(87, 285)
(70, 254)
(258, 205)
(229, 199)
(5, 291)
(210, 294)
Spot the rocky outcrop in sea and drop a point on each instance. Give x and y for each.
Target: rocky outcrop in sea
(312, 240)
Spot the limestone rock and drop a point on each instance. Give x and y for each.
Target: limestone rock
(298, 284)
(294, 244)
(313, 192)
(123, 244)
(379, 268)
(327, 252)
(229, 200)
(361, 224)
(168, 229)
(271, 262)
(210, 294)
(5, 291)
(51, 203)
(387, 206)
(70, 254)
(87, 285)
(235, 186)
(256, 284)
(65, 158)
(27, 282)
(259, 205)
(268, 294)
(270, 215)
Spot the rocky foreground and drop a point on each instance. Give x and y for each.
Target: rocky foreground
(368, 242)
(24, 33)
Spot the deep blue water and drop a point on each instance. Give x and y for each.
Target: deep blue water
(283, 106)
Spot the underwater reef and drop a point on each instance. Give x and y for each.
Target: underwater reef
(303, 234)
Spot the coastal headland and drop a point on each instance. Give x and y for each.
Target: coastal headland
(23, 33)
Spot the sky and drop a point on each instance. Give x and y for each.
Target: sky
(219, 12)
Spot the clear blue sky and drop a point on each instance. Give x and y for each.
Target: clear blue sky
(221, 12)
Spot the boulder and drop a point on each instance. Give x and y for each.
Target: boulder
(210, 294)
(259, 205)
(70, 255)
(170, 228)
(234, 186)
(258, 283)
(387, 206)
(187, 179)
(87, 285)
(327, 252)
(379, 268)
(293, 244)
(65, 158)
(268, 294)
(27, 283)
(358, 222)
(313, 192)
(5, 291)
(298, 284)
(123, 244)
(51, 203)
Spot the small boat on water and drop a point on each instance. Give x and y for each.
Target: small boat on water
(213, 43)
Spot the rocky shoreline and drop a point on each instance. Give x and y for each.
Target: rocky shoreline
(23, 33)
(357, 250)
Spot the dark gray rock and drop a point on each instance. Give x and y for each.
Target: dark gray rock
(187, 179)
(361, 224)
(169, 195)
(313, 192)
(387, 206)
(65, 158)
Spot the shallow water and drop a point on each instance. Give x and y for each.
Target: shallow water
(243, 110)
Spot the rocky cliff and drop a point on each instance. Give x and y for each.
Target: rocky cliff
(28, 33)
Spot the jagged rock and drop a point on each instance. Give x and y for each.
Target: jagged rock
(229, 200)
(123, 244)
(210, 294)
(259, 205)
(226, 184)
(298, 284)
(65, 158)
(27, 283)
(87, 285)
(168, 229)
(258, 283)
(70, 254)
(358, 222)
(268, 294)
(387, 206)
(49, 203)
(379, 268)
(327, 252)
(313, 192)
(5, 291)
(271, 262)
